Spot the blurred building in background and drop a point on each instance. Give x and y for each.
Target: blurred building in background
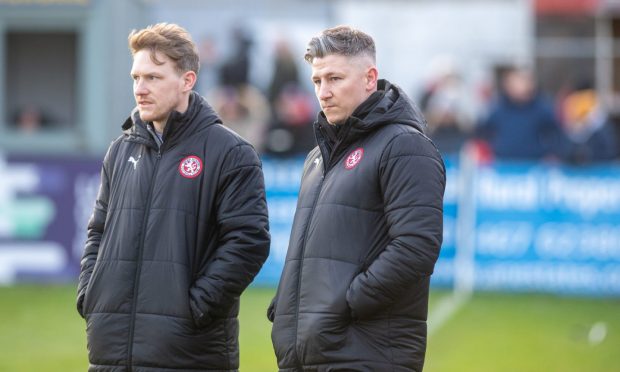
(65, 90)
(64, 63)
(64, 74)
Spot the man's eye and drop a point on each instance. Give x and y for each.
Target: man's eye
(334, 78)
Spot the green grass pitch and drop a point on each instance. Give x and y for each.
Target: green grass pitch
(41, 331)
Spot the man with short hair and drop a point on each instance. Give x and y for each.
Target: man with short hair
(353, 295)
(179, 227)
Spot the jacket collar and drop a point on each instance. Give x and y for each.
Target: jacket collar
(178, 127)
(388, 105)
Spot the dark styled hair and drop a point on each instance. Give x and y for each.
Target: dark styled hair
(341, 40)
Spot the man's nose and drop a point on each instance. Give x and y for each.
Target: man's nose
(324, 92)
(140, 88)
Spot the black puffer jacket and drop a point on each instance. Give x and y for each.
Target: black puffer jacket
(177, 233)
(354, 289)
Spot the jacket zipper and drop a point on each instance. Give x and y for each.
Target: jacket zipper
(303, 249)
(301, 268)
(132, 319)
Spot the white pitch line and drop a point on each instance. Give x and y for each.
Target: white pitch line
(445, 310)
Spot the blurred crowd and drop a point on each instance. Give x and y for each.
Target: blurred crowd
(510, 119)
(507, 118)
(514, 120)
(276, 120)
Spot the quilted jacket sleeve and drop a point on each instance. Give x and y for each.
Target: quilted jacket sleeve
(412, 180)
(243, 237)
(95, 228)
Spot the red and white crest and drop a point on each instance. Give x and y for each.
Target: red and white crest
(354, 158)
(190, 167)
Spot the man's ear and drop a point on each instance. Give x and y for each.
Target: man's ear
(189, 80)
(372, 75)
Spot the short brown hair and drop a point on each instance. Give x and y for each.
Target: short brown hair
(341, 40)
(170, 39)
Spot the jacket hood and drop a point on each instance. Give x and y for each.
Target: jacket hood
(198, 116)
(395, 107)
(392, 106)
(389, 105)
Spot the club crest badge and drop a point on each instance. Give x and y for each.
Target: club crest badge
(190, 167)
(354, 158)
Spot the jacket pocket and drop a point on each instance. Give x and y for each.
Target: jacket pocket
(356, 313)
(271, 310)
(198, 309)
(80, 303)
(201, 318)
(85, 310)
(322, 336)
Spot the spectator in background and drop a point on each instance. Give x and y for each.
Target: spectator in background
(243, 107)
(292, 107)
(245, 110)
(448, 108)
(588, 127)
(522, 124)
(236, 69)
(31, 119)
(284, 70)
(293, 114)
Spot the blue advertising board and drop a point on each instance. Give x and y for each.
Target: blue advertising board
(45, 204)
(547, 228)
(443, 275)
(508, 227)
(282, 180)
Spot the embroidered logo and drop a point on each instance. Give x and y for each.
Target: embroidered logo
(354, 158)
(190, 167)
(134, 161)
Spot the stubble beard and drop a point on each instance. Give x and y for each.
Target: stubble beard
(153, 116)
